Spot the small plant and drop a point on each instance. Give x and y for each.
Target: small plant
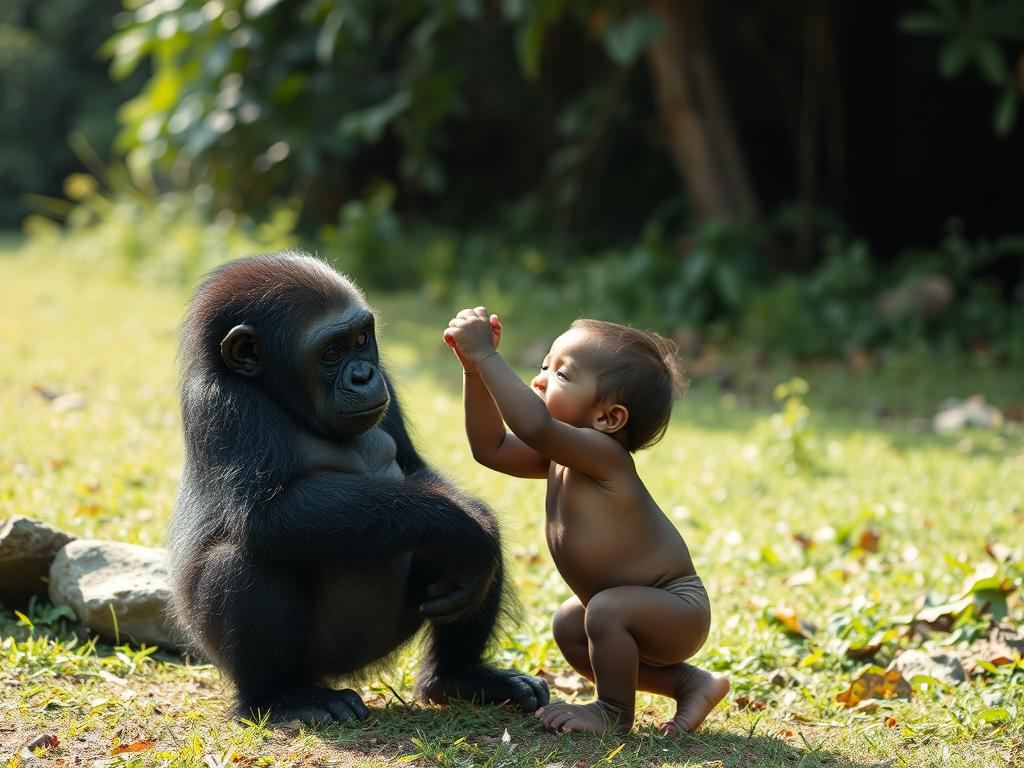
(792, 434)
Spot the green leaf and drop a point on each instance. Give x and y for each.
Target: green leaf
(924, 24)
(1006, 111)
(954, 55)
(991, 62)
(994, 715)
(531, 45)
(626, 39)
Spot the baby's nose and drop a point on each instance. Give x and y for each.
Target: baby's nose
(538, 383)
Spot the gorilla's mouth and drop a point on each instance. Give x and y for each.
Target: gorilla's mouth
(366, 411)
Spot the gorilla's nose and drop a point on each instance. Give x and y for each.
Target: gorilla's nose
(361, 373)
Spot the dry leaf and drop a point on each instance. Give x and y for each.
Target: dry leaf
(865, 705)
(890, 722)
(793, 623)
(998, 552)
(45, 741)
(869, 539)
(863, 651)
(805, 541)
(135, 746)
(745, 702)
(888, 684)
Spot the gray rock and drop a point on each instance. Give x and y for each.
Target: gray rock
(27, 547)
(944, 667)
(92, 577)
(955, 415)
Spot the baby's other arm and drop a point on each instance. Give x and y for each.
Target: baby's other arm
(492, 446)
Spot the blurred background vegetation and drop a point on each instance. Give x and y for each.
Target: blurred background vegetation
(804, 177)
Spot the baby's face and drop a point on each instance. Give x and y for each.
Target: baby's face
(567, 382)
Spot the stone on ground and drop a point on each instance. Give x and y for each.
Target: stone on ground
(99, 580)
(27, 547)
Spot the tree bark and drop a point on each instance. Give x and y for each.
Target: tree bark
(699, 129)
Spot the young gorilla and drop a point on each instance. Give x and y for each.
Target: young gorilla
(309, 539)
(639, 609)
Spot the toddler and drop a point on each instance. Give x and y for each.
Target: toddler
(639, 609)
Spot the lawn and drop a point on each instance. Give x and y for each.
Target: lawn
(820, 536)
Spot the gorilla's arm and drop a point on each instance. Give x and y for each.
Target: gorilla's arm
(326, 518)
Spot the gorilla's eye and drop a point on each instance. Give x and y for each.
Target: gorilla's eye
(332, 354)
(361, 339)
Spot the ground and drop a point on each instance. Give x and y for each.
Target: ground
(821, 529)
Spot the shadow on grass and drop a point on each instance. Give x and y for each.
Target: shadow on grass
(463, 734)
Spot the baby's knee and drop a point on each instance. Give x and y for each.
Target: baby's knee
(604, 614)
(567, 625)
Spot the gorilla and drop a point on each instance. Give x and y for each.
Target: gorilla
(309, 540)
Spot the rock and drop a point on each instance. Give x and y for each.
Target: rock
(92, 576)
(27, 547)
(955, 415)
(944, 667)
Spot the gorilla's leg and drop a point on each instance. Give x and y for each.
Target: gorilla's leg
(255, 622)
(452, 666)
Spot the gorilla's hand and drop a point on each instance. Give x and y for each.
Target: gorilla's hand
(455, 596)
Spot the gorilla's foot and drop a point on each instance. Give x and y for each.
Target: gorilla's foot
(486, 685)
(311, 705)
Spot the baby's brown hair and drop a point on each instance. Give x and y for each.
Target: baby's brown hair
(642, 373)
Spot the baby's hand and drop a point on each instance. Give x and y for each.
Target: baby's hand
(473, 334)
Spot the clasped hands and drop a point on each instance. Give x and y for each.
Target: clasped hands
(473, 334)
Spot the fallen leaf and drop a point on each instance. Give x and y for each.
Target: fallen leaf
(998, 552)
(890, 722)
(45, 741)
(135, 746)
(569, 683)
(869, 539)
(44, 391)
(793, 623)
(865, 705)
(745, 702)
(1003, 644)
(805, 541)
(875, 683)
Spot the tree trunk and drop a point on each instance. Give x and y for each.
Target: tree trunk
(699, 129)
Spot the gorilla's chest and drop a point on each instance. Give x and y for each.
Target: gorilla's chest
(370, 453)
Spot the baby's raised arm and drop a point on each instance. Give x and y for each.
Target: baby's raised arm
(587, 450)
(492, 446)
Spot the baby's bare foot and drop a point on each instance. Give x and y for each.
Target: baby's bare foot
(693, 704)
(596, 717)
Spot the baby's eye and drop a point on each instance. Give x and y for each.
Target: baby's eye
(543, 367)
(562, 376)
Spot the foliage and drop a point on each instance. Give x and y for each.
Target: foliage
(108, 221)
(901, 528)
(976, 33)
(52, 84)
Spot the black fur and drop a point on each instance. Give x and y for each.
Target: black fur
(290, 571)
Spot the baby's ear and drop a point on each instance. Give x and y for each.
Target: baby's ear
(611, 418)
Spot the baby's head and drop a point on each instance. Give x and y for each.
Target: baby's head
(635, 374)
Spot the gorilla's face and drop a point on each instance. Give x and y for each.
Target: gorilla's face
(324, 372)
(339, 362)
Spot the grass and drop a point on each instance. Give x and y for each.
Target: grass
(846, 518)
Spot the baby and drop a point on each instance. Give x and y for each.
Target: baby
(639, 610)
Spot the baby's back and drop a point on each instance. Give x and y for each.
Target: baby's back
(610, 534)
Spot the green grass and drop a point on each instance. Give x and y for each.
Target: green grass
(757, 501)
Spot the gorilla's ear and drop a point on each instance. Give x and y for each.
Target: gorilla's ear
(240, 351)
